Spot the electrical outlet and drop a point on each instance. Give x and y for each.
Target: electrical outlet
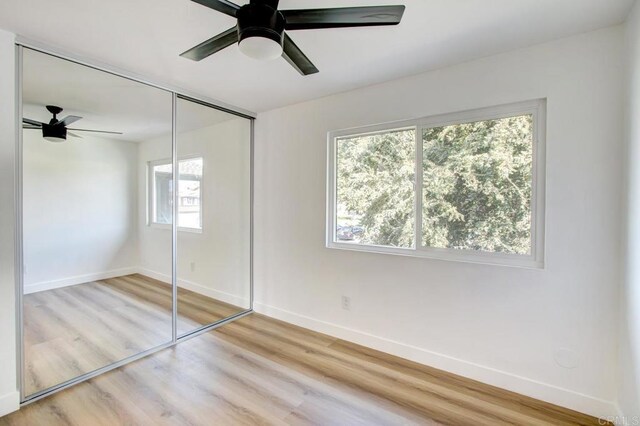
(193, 266)
(346, 303)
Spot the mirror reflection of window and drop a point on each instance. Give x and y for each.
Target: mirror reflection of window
(162, 192)
(189, 193)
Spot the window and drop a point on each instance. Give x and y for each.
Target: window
(189, 193)
(465, 186)
(375, 192)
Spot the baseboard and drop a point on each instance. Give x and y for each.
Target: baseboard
(195, 287)
(81, 279)
(546, 392)
(622, 419)
(78, 279)
(9, 403)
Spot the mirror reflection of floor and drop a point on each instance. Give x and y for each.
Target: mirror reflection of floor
(74, 330)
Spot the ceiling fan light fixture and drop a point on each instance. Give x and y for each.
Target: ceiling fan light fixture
(54, 133)
(261, 48)
(56, 130)
(260, 30)
(54, 139)
(262, 19)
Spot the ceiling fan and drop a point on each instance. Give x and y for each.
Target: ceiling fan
(260, 30)
(56, 130)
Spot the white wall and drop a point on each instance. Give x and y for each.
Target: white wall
(154, 245)
(500, 325)
(220, 254)
(93, 191)
(79, 210)
(9, 396)
(629, 374)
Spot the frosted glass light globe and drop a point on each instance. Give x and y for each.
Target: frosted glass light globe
(54, 139)
(261, 48)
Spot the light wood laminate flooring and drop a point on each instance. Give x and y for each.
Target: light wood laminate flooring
(77, 329)
(257, 370)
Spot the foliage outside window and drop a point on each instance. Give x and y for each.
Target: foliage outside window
(472, 198)
(189, 193)
(375, 189)
(477, 185)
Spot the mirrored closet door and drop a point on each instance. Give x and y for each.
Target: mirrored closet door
(213, 215)
(87, 299)
(107, 276)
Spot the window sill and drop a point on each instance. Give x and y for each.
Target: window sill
(180, 229)
(451, 255)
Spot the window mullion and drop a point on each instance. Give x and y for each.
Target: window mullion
(418, 189)
(150, 194)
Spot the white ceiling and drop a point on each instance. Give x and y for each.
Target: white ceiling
(105, 101)
(146, 37)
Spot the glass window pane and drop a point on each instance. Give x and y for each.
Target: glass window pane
(189, 207)
(375, 189)
(478, 185)
(163, 199)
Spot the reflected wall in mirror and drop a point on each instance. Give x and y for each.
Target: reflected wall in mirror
(213, 210)
(88, 300)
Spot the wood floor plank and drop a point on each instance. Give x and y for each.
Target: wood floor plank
(356, 379)
(258, 370)
(77, 329)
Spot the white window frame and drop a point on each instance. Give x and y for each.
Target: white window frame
(151, 195)
(537, 108)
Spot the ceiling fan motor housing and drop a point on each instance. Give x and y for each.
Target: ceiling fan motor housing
(54, 133)
(260, 19)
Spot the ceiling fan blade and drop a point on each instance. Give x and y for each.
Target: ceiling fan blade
(32, 122)
(31, 127)
(296, 58)
(68, 120)
(213, 45)
(74, 135)
(307, 19)
(222, 6)
(95, 131)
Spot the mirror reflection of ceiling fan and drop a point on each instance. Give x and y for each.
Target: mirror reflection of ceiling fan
(56, 130)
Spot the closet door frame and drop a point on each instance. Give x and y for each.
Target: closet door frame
(20, 45)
